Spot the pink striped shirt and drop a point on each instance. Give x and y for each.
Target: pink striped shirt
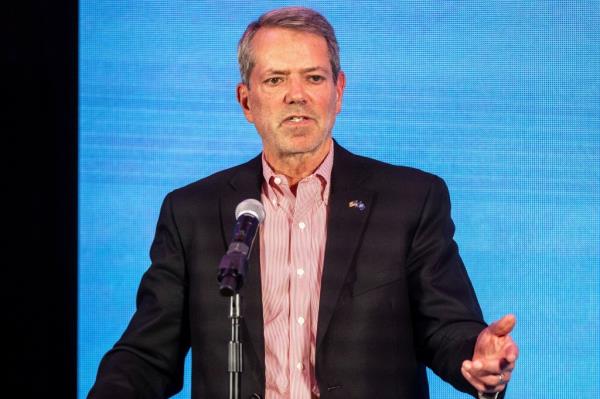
(292, 248)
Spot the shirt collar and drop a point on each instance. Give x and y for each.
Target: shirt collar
(323, 173)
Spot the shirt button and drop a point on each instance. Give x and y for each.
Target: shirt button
(277, 180)
(300, 366)
(300, 272)
(301, 320)
(302, 225)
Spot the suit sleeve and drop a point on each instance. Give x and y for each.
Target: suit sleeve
(447, 316)
(147, 361)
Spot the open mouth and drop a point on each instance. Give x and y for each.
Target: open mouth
(296, 119)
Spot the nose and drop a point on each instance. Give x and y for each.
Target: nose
(296, 93)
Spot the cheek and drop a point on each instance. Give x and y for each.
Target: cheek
(259, 108)
(257, 111)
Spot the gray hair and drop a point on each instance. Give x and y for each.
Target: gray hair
(297, 18)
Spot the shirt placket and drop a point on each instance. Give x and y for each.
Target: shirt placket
(302, 261)
(282, 201)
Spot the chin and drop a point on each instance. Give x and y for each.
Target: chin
(303, 146)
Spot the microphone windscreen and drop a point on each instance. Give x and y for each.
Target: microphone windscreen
(252, 207)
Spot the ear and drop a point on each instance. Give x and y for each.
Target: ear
(242, 98)
(339, 89)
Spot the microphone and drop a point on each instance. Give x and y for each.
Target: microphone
(249, 214)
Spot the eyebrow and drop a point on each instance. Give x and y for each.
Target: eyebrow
(287, 72)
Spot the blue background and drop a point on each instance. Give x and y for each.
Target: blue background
(500, 98)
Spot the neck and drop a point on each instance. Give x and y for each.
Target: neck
(296, 167)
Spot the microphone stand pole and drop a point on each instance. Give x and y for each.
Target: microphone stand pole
(235, 358)
(231, 282)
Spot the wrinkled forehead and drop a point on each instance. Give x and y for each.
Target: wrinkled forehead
(282, 48)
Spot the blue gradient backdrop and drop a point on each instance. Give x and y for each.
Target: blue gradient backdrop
(500, 98)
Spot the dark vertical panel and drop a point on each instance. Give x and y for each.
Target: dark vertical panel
(39, 186)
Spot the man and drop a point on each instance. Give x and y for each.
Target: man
(357, 284)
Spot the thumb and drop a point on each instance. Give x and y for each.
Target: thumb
(503, 326)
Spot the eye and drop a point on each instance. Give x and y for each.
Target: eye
(316, 78)
(273, 81)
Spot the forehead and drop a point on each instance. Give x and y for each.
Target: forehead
(288, 48)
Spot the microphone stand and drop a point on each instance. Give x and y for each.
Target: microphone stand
(232, 269)
(235, 357)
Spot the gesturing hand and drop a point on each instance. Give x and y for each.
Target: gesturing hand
(494, 357)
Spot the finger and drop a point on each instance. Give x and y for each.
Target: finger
(480, 385)
(511, 353)
(491, 366)
(503, 326)
(467, 365)
(493, 380)
(475, 383)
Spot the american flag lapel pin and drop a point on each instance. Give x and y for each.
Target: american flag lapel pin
(357, 204)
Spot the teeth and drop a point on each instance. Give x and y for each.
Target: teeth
(296, 118)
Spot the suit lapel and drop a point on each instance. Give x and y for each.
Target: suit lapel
(243, 185)
(349, 209)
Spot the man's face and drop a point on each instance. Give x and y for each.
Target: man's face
(292, 98)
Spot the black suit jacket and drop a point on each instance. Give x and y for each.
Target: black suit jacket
(395, 295)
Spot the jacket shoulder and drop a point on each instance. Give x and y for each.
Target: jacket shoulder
(380, 172)
(212, 185)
